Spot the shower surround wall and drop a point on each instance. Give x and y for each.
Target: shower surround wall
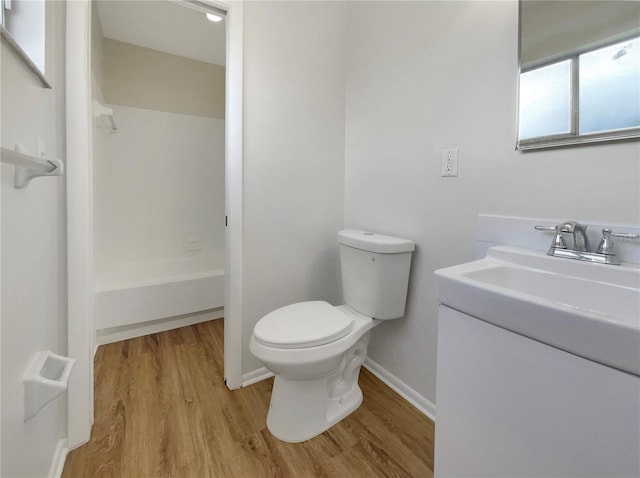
(159, 191)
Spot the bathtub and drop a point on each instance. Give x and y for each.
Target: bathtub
(146, 297)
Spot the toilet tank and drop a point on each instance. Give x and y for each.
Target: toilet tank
(375, 272)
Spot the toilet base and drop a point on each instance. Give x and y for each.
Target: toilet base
(302, 409)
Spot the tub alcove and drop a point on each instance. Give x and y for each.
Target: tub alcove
(158, 172)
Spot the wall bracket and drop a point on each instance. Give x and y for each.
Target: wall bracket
(29, 167)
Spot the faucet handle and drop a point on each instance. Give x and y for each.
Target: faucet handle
(546, 228)
(623, 235)
(606, 243)
(558, 240)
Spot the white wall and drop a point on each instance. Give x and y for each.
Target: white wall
(293, 156)
(97, 48)
(146, 78)
(158, 183)
(423, 76)
(33, 254)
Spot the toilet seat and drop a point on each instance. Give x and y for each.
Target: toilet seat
(302, 325)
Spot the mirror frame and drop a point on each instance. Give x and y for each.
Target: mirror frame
(573, 138)
(7, 37)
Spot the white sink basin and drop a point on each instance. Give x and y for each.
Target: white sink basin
(591, 310)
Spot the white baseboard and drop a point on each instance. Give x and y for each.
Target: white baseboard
(124, 332)
(59, 457)
(255, 376)
(405, 391)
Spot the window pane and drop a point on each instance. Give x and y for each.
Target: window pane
(610, 88)
(545, 101)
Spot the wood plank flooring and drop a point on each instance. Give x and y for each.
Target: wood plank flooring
(163, 410)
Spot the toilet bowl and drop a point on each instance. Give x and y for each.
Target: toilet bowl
(315, 350)
(316, 385)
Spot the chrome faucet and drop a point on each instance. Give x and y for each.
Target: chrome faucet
(579, 233)
(581, 251)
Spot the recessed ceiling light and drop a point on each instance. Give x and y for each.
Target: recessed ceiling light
(213, 17)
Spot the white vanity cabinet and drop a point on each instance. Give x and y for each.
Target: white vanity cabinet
(510, 406)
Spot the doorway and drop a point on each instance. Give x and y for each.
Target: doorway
(84, 247)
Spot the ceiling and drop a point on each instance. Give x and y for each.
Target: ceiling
(163, 25)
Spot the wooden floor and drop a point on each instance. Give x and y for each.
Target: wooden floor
(162, 410)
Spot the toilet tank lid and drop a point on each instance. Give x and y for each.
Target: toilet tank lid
(373, 242)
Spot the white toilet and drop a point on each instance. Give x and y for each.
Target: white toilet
(315, 349)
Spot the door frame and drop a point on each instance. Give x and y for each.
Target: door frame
(80, 267)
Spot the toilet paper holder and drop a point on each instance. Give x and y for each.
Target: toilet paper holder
(45, 379)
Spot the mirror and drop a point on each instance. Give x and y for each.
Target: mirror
(579, 72)
(23, 29)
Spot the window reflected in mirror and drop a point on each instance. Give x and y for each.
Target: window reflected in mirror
(545, 100)
(579, 76)
(609, 88)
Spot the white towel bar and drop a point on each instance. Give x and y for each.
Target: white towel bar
(29, 167)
